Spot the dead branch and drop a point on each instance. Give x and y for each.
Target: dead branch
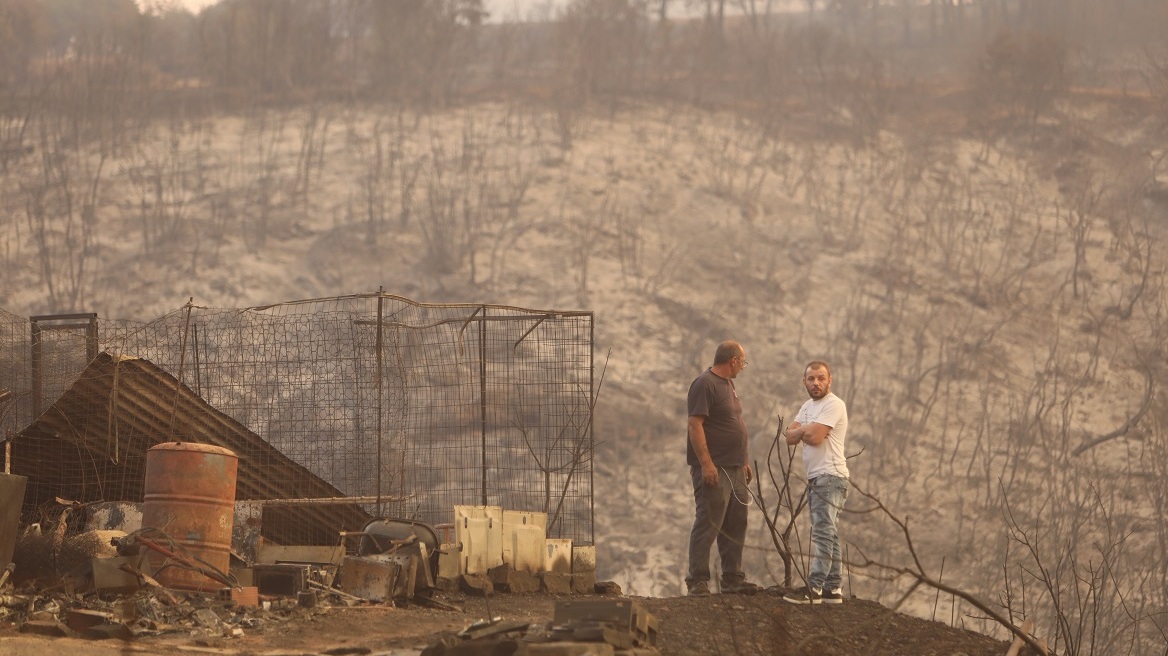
(780, 538)
(1149, 386)
(580, 453)
(920, 577)
(1016, 646)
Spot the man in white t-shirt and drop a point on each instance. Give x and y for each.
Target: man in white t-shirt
(822, 426)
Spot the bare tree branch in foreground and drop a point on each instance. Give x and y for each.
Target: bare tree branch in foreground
(920, 577)
(780, 537)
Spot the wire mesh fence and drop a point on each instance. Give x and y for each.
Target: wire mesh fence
(373, 401)
(16, 409)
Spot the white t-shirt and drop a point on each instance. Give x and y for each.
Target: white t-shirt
(828, 457)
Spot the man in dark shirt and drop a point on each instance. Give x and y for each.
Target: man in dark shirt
(717, 455)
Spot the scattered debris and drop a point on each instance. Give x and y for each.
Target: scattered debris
(118, 574)
(378, 578)
(80, 578)
(114, 516)
(619, 626)
(493, 628)
(348, 599)
(176, 556)
(624, 616)
(285, 579)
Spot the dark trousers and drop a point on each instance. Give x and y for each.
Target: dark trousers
(720, 517)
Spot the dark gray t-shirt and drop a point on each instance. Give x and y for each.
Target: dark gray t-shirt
(714, 398)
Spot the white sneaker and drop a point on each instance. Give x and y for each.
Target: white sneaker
(832, 596)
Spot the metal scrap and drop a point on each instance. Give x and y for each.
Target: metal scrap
(594, 626)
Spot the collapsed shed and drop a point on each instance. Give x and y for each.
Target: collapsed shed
(90, 445)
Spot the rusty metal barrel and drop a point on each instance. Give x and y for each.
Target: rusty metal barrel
(190, 496)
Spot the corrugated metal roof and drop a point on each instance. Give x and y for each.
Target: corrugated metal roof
(91, 444)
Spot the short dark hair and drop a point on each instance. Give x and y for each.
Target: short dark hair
(817, 364)
(727, 351)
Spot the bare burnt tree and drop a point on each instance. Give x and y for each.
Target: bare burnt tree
(506, 225)
(410, 165)
(840, 206)
(1136, 244)
(1079, 220)
(735, 163)
(780, 521)
(1068, 574)
(61, 210)
(910, 567)
(1155, 78)
(565, 455)
(586, 229)
(270, 46)
(840, 85)
(260, 153)
(23, 33)
(24, 27)
(1157, 490)
(598, 53)
(96, 79)
(313, 144)
(1022, 75)
(456, 193)
(420, 49)
(601, 46)
(380, 164)
(159, 179)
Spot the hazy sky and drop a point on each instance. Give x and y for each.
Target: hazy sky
(510, 10)
(499, 9)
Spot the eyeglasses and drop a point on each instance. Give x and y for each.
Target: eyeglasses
(742, 360)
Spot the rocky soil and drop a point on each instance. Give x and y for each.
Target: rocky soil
(718, 624)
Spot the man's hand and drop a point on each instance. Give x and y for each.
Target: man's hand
(794, 435)
(814, 433)
(710, 474)
(748, 473)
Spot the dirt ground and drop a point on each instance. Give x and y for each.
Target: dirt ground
(718, 624)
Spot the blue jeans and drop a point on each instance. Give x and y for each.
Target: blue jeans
(826, 496)
(720, 517)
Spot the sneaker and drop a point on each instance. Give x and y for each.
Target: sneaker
(739, 587)
(698, 589)
(833, 596)
(803, 595)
